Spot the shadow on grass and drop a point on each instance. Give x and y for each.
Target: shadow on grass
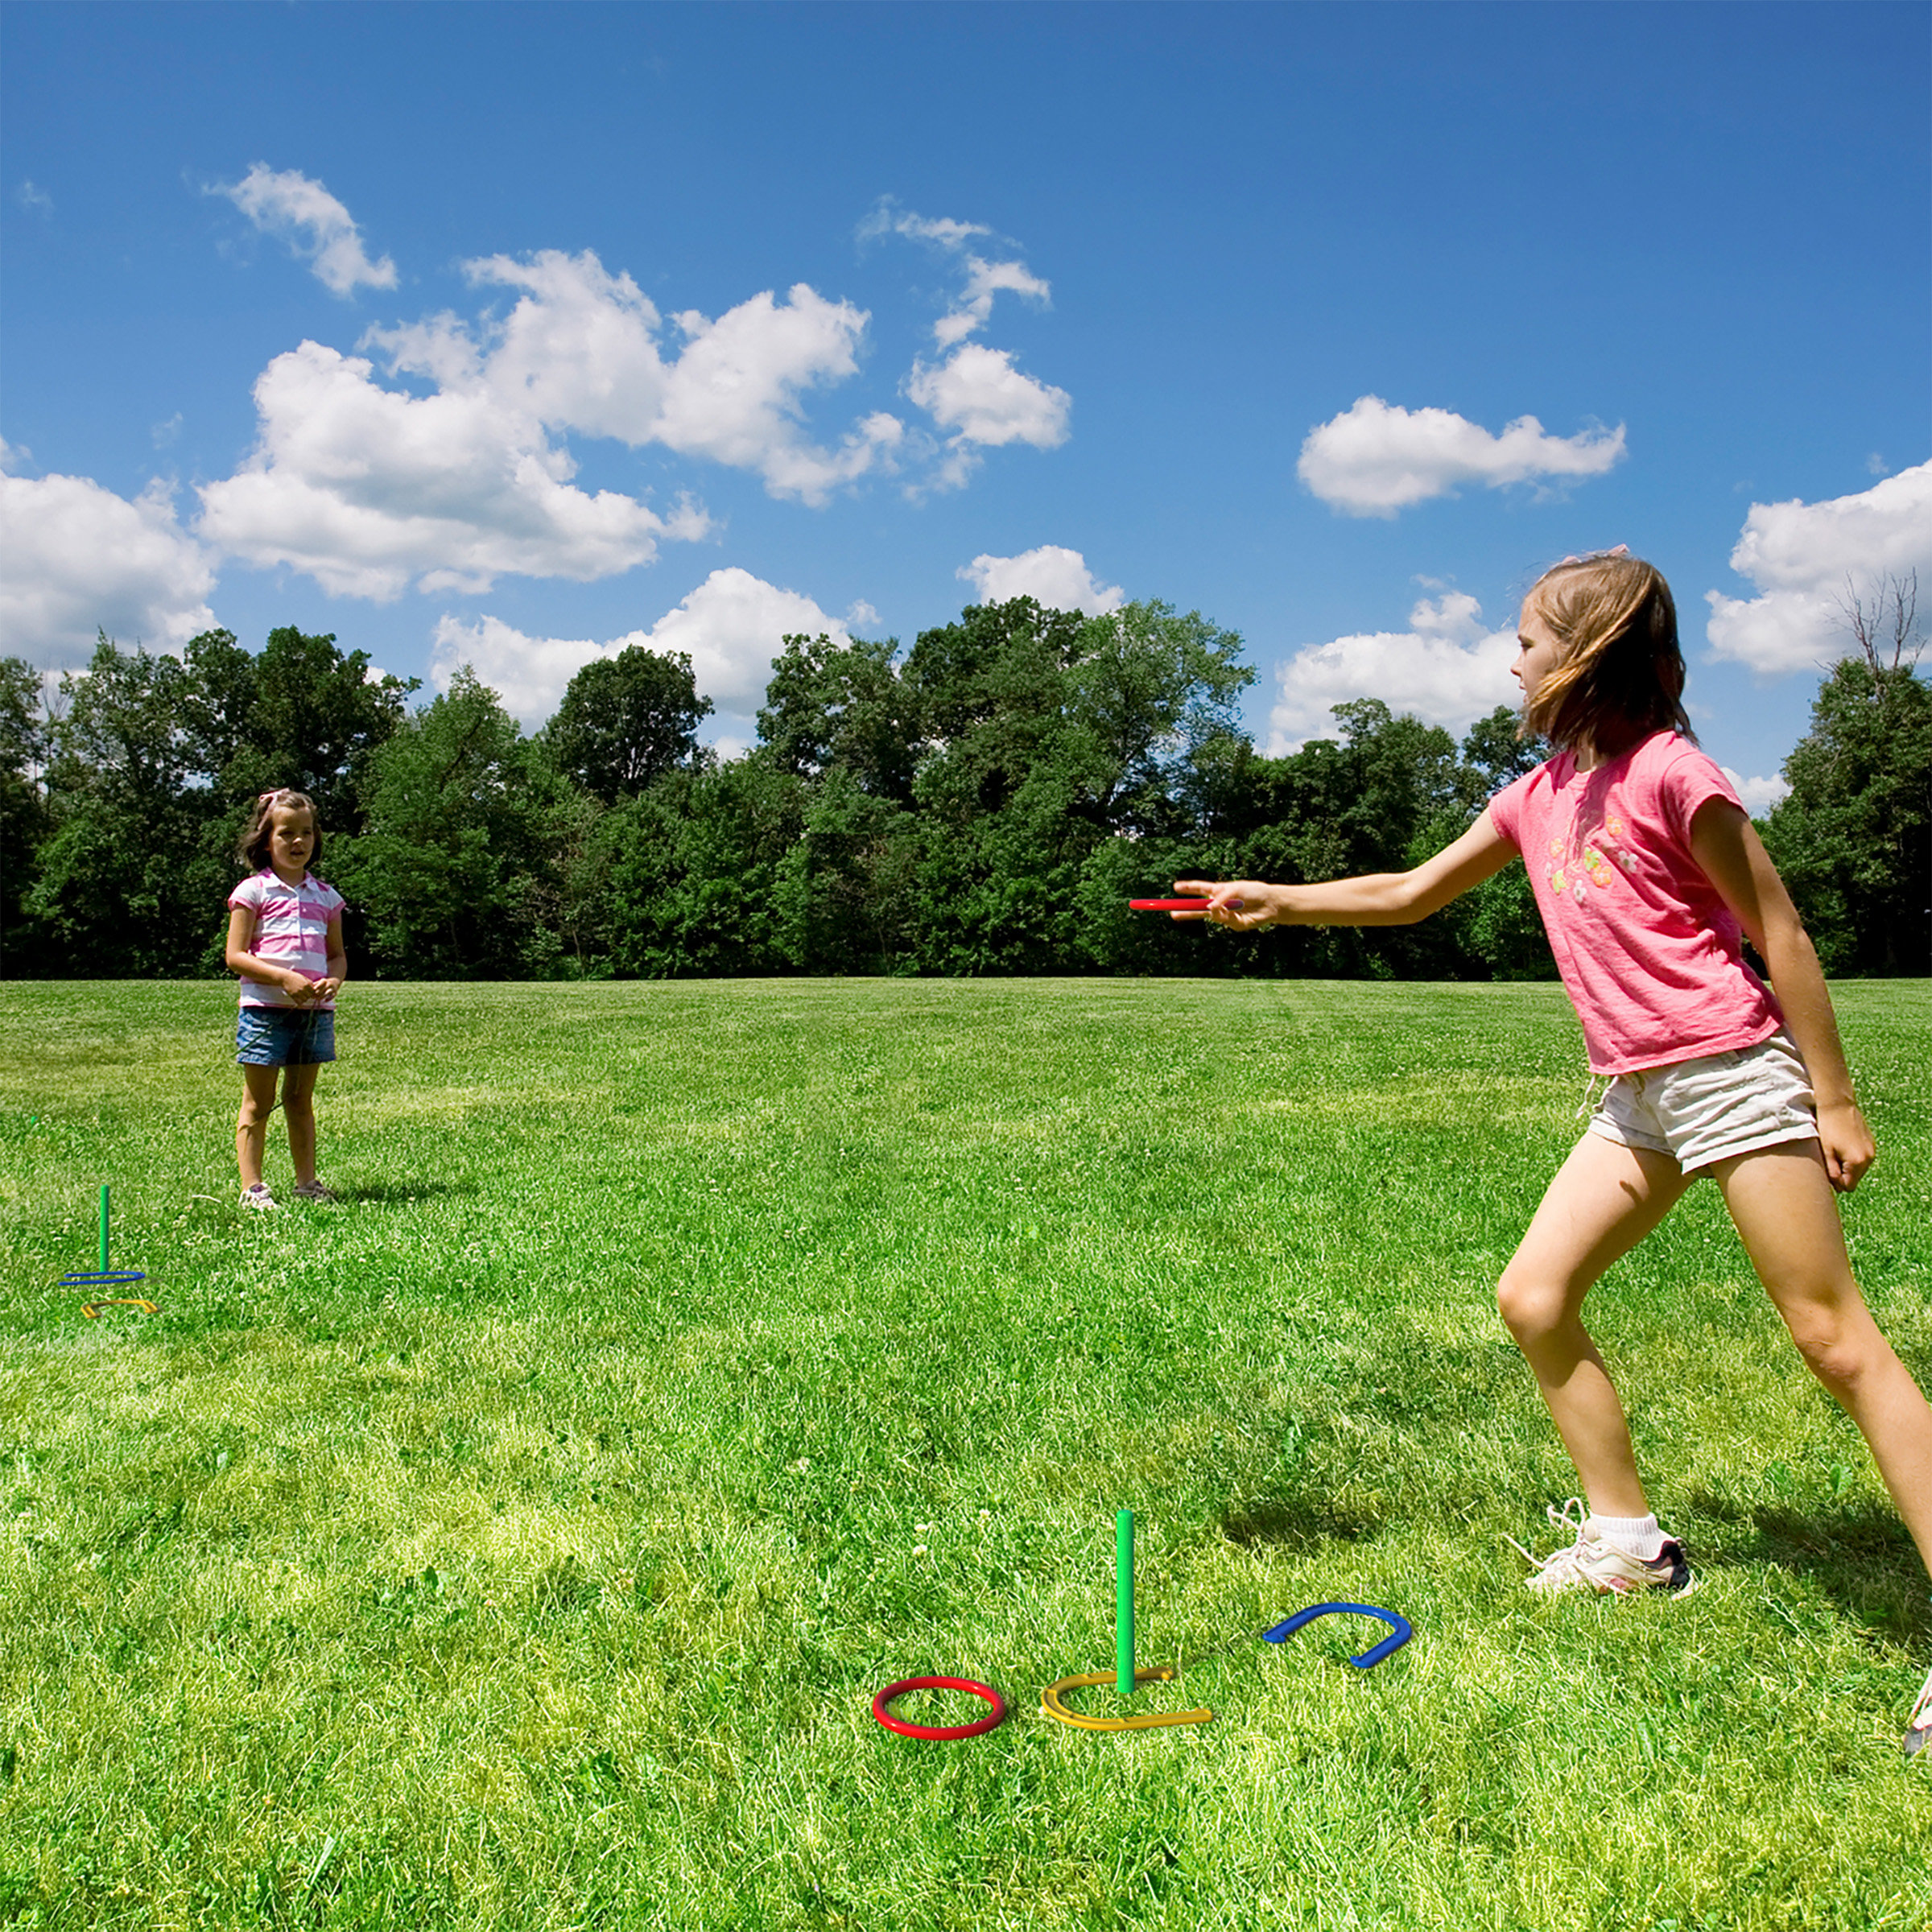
(394, 1194)
(1862, 1559)
(1295, 1524)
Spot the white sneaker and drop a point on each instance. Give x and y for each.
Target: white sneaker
(1591, 1563)
(1918, 1726)
(259, 1198)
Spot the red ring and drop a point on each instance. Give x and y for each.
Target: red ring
(938, 1733)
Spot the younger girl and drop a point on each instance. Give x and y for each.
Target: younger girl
(1645, 868)
(285, 939)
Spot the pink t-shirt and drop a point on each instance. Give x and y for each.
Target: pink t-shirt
(1649, 953)
(291, 929)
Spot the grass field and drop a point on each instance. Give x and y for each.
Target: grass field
(518, 1544)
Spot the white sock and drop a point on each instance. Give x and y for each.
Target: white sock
(1636, 1536)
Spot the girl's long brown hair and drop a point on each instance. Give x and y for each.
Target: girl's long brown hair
(1621, 674)
(252, 847)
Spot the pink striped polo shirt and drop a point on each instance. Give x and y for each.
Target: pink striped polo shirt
(291, 929)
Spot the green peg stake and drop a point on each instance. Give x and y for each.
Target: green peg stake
(1123, 1602)
(104, 1227)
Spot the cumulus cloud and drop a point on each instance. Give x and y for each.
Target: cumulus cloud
(1807, 558)
(1447, 669)
(1759, 795)
(1056, 578)
(580, 352)
(79, 558)
(732, 626)
(1376, 458)
(975, 393)
(368, 489)
(314, 225)
(985, 401)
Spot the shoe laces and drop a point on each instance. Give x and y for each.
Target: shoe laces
(1574, 1516)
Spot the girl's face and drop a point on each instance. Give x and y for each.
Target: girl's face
(1538, 652)
(292, 838)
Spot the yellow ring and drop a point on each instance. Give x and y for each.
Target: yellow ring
(1146, 1720)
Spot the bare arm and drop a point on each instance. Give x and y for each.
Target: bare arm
(1376, 898)
(250, 965)
(1725, 845)
(337, 968)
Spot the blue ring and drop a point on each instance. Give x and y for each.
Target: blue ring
(1399, 1627)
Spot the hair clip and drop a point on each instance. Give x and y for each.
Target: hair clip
(1595, 556)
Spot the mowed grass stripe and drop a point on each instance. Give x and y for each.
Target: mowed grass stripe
(521, 1543)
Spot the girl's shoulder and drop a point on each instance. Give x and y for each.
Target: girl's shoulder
(251, 890)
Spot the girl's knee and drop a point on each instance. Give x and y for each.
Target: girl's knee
(1528, 1309)
(1841, 1354)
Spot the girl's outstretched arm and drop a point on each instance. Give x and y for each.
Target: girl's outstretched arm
(1376, 898)
(1725, 845)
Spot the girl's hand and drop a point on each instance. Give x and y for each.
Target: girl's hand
(1849, 1149)
(299, 987)
(1241, 905)
(326, 989)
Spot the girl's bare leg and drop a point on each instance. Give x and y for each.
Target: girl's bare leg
(297, 1108)
(1787, 1214)
(1604, 1199)
(251, 1123)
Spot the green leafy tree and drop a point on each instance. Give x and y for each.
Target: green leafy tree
(301, 713)
(126, 887)
(626, 720)
(694, 869)
(23, 816)
(1853, 835)
(843, 707)
(447, 872)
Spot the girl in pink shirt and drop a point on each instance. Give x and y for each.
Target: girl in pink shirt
(1648, 872)
(285, 940)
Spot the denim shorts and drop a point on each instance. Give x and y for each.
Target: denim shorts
(1713, 1108)
(285, 1036)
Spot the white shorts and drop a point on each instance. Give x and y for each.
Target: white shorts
(1713, 1108)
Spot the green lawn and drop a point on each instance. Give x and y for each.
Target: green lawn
(519, 1543)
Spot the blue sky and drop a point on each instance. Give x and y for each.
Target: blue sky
(509, 334)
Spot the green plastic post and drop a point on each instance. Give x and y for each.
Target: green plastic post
(104, 1227)
(1123, 1602)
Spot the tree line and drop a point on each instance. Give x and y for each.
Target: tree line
(984, 802)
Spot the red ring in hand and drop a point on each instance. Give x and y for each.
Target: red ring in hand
(940, 1733)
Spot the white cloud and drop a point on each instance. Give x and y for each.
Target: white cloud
(1759, 795)
(1056, 578)
(36, 201)
(732, 626)
(78, 558)
(986, 402)
(1446, 668)
(580, 352)
(1376, 458)
(976, 392)
(887, 220)
(313, 223)
(984, 280)
(368, 489)
(1800, 556)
